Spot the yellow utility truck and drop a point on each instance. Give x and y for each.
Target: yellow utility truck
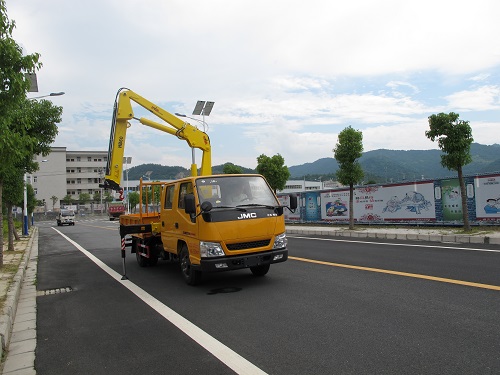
(209, 223)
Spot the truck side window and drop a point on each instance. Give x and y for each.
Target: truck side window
(169, 197)
(185, 188)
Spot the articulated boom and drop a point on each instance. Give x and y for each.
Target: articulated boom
(123, 113)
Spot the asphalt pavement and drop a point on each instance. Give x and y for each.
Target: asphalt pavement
(19, 333)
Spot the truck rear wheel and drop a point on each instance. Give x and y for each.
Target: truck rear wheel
(143, 262)
(260, 270)
(191, 276)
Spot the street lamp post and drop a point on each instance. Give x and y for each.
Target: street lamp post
(25, 208)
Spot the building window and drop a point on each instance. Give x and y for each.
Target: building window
(78, 180)
(35, 190)
(34, 179)
(89, 158)
(78, 158)
(79, 170)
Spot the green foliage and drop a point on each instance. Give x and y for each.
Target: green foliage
(454, 138)
(96, 197)
(348, 150)
(84, 198)
(108, 197)
(274, 170)
(13, 188)
(133, 198)
(67, 199)
(31, 198)
(230, 168)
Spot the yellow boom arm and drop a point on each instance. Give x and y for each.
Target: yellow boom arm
(123, 113)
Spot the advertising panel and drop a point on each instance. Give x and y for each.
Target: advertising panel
(335, 205)
(413, 201)
(488, 197)
(452, 200)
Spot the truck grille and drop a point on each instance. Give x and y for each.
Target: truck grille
(248, 245)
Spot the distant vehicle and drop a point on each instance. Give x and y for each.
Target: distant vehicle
(65, 217)
(115, 209)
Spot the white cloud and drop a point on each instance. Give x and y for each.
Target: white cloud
(481, 99)
(286, 76)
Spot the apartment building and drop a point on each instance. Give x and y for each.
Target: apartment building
(64, 172)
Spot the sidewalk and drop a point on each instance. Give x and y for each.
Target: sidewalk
(485, 236)
(18, 319)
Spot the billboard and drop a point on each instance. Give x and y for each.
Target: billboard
(488, 197)
(405, 202)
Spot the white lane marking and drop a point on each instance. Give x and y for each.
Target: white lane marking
(226, 355)
(396, 244)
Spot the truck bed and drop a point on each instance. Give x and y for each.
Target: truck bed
(144, 218)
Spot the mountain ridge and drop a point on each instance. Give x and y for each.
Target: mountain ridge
(381, 165)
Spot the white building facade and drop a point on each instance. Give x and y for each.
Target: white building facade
(64, 172)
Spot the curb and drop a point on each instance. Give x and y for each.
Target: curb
(11, 302)
(457, 238)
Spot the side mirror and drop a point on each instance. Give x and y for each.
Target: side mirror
(206, 206)
(293, 202)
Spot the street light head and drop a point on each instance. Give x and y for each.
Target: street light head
(180, 114)
(56, 93)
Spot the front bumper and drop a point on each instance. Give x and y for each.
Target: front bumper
(242, 261)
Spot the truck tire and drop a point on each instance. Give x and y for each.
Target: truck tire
(191, 276)
(260, 270)
(142, 261)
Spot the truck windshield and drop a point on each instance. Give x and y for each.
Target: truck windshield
(232, 191)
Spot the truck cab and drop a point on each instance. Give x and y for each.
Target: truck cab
(65, 217)
(222, 223)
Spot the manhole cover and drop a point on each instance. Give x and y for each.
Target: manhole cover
(54, 291)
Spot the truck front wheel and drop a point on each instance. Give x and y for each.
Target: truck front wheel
(191, 276)
(260, 270)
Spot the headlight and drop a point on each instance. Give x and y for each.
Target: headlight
(210, 249)
(280, 241)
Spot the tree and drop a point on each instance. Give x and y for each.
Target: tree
(54, 200)
(84, 198)
(454, 138)
(68, 199)
(108, 196)
(97, 197)
(13, 187)
(347, 151)
(230, 168)
(274, 170)
(133, 199)
(14, 84)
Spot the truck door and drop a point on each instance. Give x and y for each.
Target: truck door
(184, 228)
(167, 220)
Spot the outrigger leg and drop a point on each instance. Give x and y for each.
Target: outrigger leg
(124, 277)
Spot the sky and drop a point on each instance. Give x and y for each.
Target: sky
(286, 76)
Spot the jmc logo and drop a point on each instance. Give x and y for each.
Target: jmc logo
(250, 215)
